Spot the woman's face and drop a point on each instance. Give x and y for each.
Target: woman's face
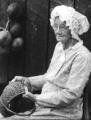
(61, 31)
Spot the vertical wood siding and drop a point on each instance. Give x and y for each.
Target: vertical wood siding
(84, 6)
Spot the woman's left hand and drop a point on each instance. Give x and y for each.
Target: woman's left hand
(30, 96)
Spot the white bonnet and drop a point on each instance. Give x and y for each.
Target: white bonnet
(77, 22)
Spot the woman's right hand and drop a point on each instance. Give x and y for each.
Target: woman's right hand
(18, 78)
(24, 80)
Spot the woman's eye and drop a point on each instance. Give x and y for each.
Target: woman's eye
(62, 25)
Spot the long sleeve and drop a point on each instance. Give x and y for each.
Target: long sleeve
(37, 81)
(76, 82)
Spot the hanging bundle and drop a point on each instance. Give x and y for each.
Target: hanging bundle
(15, 11)
(11, 37)
(5, 38)
(15, 29)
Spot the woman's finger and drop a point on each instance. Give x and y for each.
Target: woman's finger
(29, 96)
(16, 78)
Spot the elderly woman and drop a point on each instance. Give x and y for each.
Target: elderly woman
(63, 83)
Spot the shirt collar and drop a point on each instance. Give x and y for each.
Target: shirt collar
(74, 47)
(77, 45)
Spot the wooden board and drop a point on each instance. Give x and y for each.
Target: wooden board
(84, 6)
(36, 37)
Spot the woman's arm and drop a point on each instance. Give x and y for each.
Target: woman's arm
(36, 81)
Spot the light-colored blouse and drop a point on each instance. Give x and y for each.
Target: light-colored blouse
(66, 78)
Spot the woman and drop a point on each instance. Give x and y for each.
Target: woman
(63, 83)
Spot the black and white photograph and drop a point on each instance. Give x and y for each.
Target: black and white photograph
(45, 60)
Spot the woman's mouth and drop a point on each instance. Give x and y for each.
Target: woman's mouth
(59, 36)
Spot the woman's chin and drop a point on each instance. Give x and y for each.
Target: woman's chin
(59, 39)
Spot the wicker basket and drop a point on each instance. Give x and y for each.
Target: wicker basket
(12, 102)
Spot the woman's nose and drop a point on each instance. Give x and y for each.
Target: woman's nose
(57, 30)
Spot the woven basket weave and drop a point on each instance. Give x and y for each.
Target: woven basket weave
(11, 100)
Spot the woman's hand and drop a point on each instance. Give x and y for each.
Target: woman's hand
(25, 81)
(18, 78)
(30, 96)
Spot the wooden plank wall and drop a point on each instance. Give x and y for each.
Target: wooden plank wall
(39, 37)
(36, 37)
(84, 6)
